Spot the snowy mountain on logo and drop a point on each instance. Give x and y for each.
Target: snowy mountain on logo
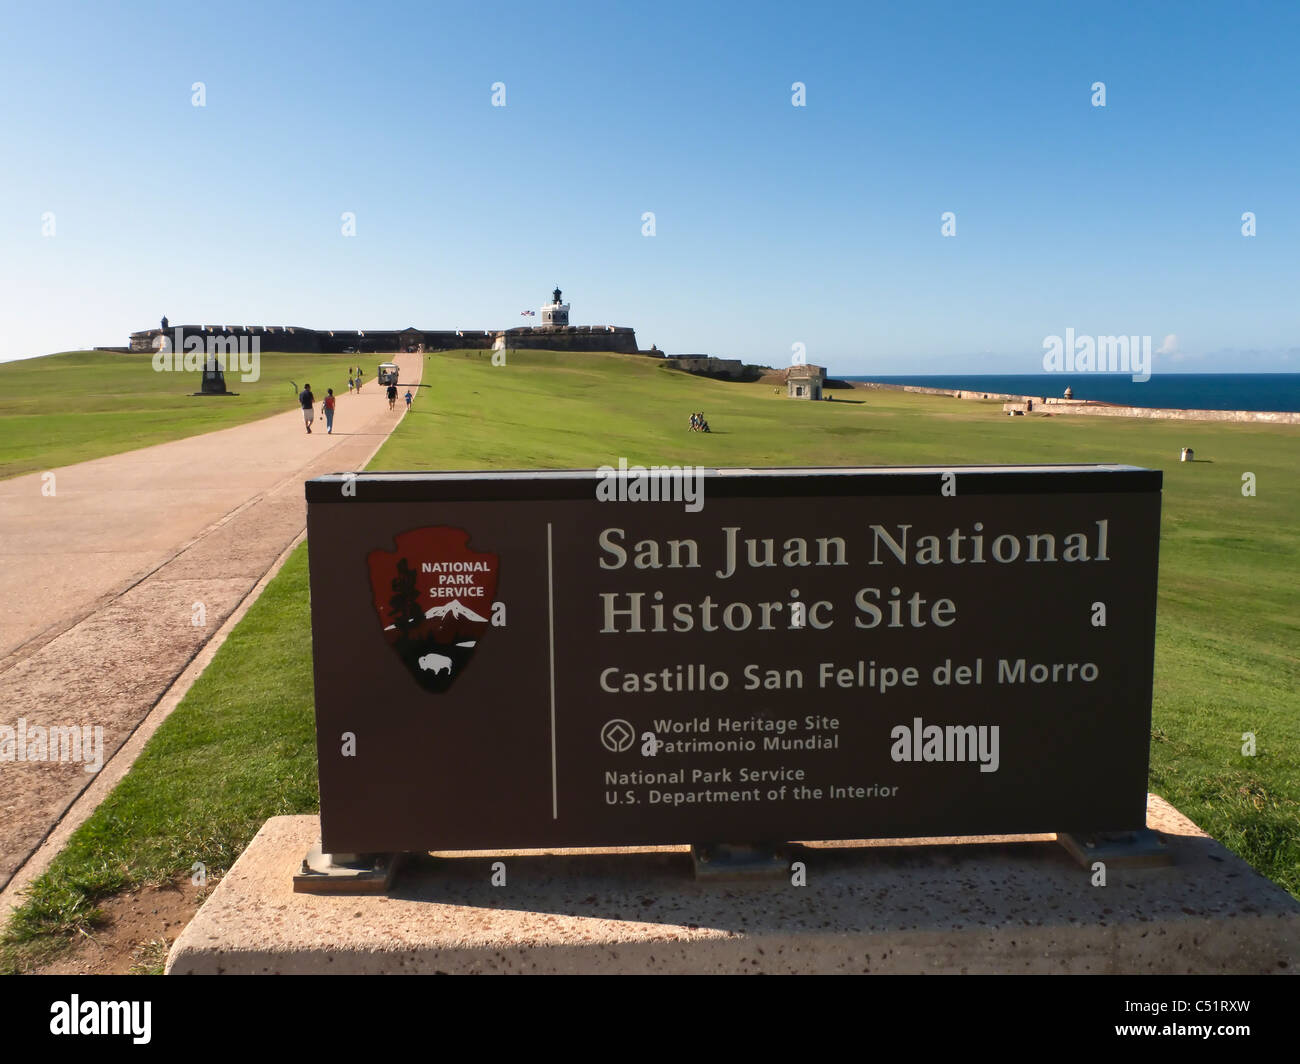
(457, 611)
(434, 645)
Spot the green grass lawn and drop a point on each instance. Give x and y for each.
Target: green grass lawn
(239, 747)
(79, 405)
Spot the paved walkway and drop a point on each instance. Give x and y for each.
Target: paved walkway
(98, 582)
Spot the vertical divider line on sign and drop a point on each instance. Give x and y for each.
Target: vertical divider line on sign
(550, 612)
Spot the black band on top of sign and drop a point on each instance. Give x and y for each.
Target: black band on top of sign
(529, 485)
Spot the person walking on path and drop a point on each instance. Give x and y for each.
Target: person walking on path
(307, 401)
(350, 382)
(408, 398)
(358, 380)
(327, 406)
(392, 397)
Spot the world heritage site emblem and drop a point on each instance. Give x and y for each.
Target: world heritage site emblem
(433, 597)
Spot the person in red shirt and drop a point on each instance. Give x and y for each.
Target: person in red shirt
(327, 406)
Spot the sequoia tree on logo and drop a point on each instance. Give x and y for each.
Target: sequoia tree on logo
(433, 597)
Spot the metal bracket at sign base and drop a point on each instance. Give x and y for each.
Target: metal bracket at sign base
(1122, 849)
(346, 873)
(718, 861)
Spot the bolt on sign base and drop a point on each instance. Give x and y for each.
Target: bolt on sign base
(346, 873)
(729, 861)
(1122, 849)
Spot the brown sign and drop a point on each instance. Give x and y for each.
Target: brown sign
(570, 658)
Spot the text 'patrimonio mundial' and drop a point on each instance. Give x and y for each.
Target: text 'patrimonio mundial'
(888, 605)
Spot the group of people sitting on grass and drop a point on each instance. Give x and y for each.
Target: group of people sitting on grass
(698, 424)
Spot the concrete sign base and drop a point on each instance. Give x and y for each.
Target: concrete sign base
(992, 904)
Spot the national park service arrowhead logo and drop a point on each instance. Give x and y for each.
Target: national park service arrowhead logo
(434, 599)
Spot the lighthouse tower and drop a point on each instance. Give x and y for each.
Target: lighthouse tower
(555, 312)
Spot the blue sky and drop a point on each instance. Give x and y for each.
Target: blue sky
(774, 224)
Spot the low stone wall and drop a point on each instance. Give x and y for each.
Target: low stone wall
(707, 365)
(1037, 404)
(950, 392)
(1271, 417)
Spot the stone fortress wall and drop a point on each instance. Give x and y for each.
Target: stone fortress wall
(298, 339)
(617, 338)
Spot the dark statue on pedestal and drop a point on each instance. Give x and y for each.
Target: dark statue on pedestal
(214, 377)
(214, 380)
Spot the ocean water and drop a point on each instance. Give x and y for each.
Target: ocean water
(1176, 391)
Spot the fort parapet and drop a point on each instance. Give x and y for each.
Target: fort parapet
(617, 338)
(378, 341)
(707, 365)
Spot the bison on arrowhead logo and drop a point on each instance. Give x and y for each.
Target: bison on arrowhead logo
(434, 599)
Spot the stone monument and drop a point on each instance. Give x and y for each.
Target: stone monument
(214, 378)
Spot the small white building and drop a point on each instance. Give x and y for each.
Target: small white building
(805, 381)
